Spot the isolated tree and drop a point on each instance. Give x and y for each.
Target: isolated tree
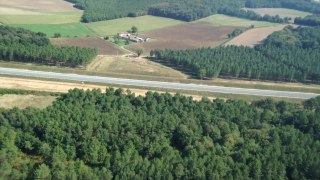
(134, 29)
(139, 52)
(57, 35)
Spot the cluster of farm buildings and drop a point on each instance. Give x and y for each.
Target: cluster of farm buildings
(133, 37)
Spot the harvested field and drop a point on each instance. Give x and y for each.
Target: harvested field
(132, 65)
(104, 47)
(40, 5)
(282, 12)
(9, 101)
(185, 36)
(253, 37)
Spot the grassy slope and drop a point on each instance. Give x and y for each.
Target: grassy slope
(144, 23)
(9, 101)
(133, 66)
(223, 20)
(66, 30)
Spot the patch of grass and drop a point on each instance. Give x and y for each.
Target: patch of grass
(223, 20)
(27, 92)
(42, 18)
(282, 12)
(132, 67)
(9, 101)
(143, 23)
(66, 30)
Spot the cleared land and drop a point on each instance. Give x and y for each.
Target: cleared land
(185, 36)
(223, 20)
(104, 47)
(282, 12)
(9, 101)
(40, 5)
(255, 36)
(132, 65)
(144, 23)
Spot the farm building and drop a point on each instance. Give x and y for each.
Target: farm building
(132, 37)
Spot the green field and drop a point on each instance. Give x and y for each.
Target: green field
(66, 30)
(223, 20)
(144, 23)
(42, 18)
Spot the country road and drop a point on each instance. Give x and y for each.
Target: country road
(155, 84)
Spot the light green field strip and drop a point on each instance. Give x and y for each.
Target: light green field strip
(282, 12)
(66, 30)
(144, 23)
(223, 20)
(42, 18)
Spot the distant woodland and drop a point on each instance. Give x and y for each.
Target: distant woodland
(117, 135)
(17, 44)
(288, 55)
(186, 10)
(311, 20)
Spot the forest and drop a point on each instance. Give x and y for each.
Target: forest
(17, 44)
(311, 20)
(288, 55)
(186, 10)
(117, 135)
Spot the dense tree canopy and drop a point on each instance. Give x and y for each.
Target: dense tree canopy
(94, 135)
(186, 10)
(291, 54)
(17, 44)
(311, 20)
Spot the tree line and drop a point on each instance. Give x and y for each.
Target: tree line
(186, 10)
(302, 5)
(252, 15)
(17, 44)
(117, 135)
(311, 20)
(288, 55)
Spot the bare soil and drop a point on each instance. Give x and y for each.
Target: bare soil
(104, 47)
(40, 5)
(253, 37)
(185, 36)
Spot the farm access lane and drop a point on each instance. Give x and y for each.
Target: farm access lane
(155, 84)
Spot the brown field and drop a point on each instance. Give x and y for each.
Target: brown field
(40, 5)
(185, 36)
(9, 101)
(104, 47)
(253, 37)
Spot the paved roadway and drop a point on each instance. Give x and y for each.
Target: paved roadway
(155, 84)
